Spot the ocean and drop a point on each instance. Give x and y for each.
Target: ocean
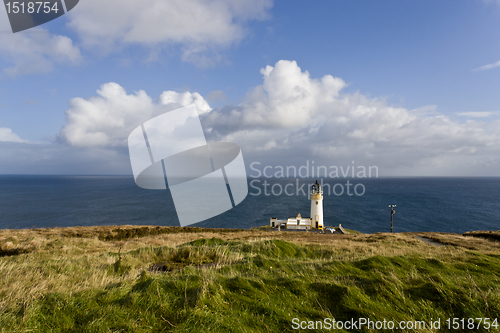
(423, 204)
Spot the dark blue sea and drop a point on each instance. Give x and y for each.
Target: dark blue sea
(423, 204)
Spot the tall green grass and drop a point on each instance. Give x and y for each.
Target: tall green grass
(257, 286)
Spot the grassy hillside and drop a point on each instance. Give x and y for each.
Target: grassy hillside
(154, 279)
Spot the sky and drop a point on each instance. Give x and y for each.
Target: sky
(410, 87)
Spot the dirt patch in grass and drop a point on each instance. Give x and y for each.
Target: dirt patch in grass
(468, 240)
(490, 235)
(13, 252)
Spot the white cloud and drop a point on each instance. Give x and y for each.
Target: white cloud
(478, 114)
(425, 110)
(34, 51)
(287, 98)
(200, 27)
(6, 135)
(37, 52)
(489, 66)
(292, 116)
(108, 119)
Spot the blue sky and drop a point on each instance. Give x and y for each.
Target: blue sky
(417, 67)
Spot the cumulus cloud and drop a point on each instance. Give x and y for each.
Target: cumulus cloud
(288, 98)
(293, 116)
(35, 51)
(199, 27)
(6, 135)
(108, 119)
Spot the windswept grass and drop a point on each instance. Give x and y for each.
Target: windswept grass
(238, 281)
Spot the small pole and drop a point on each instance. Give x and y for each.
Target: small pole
(393, 211)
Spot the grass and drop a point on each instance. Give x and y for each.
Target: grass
(79, 280)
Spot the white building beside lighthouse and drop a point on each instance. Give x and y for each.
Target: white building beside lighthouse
(305, 223)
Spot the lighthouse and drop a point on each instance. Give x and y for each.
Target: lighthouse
(317, 206)
(307, 223)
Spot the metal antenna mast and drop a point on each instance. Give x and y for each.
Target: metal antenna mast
(393, 211)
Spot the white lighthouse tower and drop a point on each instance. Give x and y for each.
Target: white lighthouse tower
(316, 206)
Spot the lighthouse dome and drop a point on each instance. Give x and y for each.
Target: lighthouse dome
(316, 188)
